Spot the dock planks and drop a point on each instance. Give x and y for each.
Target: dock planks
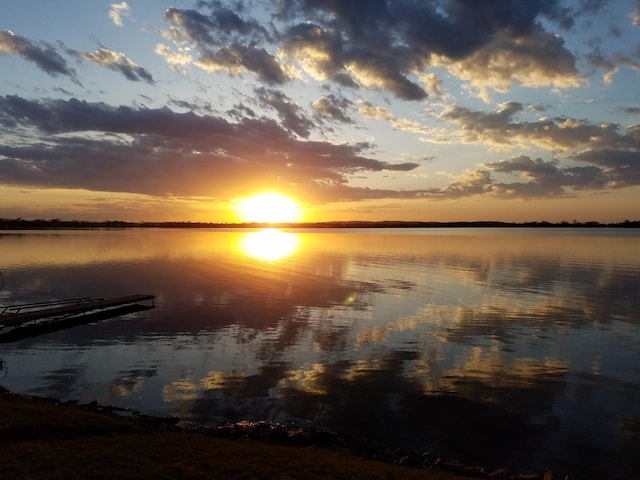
(77, 312)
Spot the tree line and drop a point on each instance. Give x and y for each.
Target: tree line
(56, 223)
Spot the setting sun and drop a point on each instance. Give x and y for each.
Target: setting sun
(268, 208)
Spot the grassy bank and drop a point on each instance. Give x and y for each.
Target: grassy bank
(43, 439)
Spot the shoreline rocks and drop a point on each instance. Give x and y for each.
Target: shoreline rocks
(301, 436)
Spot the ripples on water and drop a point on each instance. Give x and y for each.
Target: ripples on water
(517, 348)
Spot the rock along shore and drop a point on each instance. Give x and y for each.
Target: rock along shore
(301, 436)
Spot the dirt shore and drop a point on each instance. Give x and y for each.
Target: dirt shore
(46, 439)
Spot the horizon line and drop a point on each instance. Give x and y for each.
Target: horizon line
(8, 223)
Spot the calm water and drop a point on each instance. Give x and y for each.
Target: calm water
(516, 348)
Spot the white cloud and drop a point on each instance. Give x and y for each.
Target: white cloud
(118, 10)
(635, 17)
(176, 60)
(118, 62)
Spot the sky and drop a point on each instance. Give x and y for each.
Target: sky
(422, 110)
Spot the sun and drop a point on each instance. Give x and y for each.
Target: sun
(268, 207)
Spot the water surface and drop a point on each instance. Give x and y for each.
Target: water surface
(506, 347)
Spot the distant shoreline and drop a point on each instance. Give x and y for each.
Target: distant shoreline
(39, 224)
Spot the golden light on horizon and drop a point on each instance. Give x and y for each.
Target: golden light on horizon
(268, 207)
(269, 244)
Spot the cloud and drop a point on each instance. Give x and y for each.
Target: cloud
(118, 10)
(236, 59)
(176, 60)
(607, 155)
(45, 57)
(220, 25)
(160, 152)
(433, 83)
(500, 129)
(117, 62)
(190, 25)
(374, 112)
(368, 110)
(383, 44)
(610, 62)
(225, 42)
(546, 179)
(622, 166)
(469, 183)
(333, 108)
(387, 46)
(326, 54)
(288, 111)
(539, 59)
(635, 16)
(602, 61)
(536, 179)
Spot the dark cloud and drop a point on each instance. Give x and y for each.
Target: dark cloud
(241, 111)
(51, 62)
(470, 183)
(385, 45)
(289, 112)
(477, 119)
(237, 58)
(221, 24)
(199, 106)
(546, 179)
(332, 107)
(622, 166)
(326, 54)
(64, 116)
(536, 60)
(611, 153)
(45, 57)
(161, 152)
(117, 62)
(225, 41)
(537, 168)
(194, 26)
(345, 79)
(536, 179)
(609, 63)
(500, 128)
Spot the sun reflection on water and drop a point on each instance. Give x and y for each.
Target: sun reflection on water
(269, 244)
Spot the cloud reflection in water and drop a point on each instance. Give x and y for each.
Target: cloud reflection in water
(438, 339)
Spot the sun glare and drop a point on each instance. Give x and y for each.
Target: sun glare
(269, 245)
(268, 208)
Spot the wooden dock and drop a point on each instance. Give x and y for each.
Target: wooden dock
(27, 320)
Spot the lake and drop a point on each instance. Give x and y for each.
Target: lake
(513, 347)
